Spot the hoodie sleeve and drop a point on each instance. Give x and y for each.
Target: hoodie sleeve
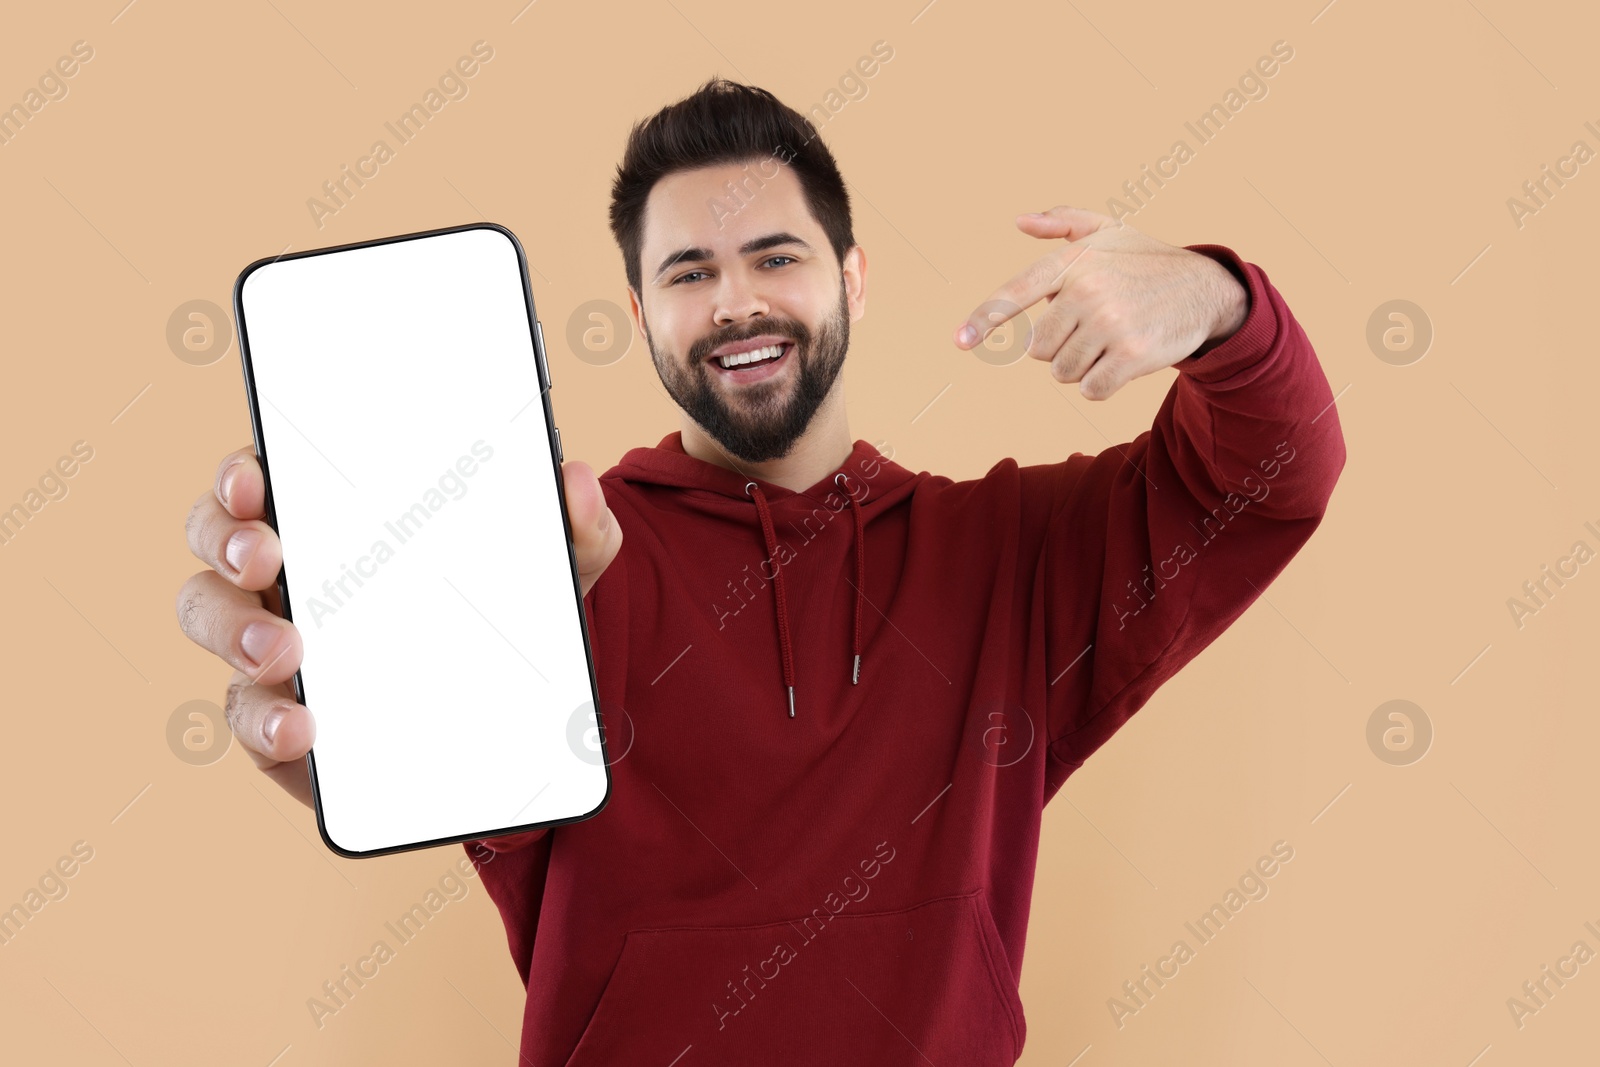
(513, 871)
(1150, 549)
(514, 868)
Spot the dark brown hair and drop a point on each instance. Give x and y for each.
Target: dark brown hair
(725, 122)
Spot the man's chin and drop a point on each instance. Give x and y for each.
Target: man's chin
(752, 446)
(760, 455)
(747, 433)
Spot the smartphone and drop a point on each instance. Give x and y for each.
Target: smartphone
(400, 401)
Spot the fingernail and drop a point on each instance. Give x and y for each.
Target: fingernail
(270, 724)
(967, 335)
(228, 478)
(242, 546)
(257, 641)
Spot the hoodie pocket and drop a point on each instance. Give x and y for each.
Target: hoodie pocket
(927, 982)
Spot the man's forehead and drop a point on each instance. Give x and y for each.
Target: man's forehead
(696, 208)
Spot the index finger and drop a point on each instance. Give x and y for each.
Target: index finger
(1038, 280)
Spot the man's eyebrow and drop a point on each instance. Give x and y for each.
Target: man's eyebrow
(755, 244)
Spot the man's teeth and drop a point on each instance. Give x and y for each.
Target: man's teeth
(752, 356)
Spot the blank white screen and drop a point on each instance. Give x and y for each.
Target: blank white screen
(426, 561)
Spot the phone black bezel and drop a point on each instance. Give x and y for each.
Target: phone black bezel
(535, 334)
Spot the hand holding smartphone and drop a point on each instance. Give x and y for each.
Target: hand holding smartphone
(400, 403)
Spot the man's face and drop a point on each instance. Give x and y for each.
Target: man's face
(753, 277)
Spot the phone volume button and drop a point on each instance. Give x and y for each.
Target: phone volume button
(538, 349)
(560, 457)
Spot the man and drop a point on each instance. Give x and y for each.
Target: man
(839, 694)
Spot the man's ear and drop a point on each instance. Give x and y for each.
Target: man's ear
(854, 270)
(635, 311)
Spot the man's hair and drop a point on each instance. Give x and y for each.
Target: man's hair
(725, 122)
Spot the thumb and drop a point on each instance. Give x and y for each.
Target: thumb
(1071, 223)
(596, 535)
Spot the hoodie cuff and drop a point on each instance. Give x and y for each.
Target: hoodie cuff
(511, 842)
(1251, 342)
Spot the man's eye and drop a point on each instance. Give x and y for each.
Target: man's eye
(685, 277)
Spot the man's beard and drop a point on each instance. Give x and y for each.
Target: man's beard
(763, 426)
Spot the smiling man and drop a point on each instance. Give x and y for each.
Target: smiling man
(844, 692)
(838, 694)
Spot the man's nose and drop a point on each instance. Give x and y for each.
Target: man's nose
(738, 299)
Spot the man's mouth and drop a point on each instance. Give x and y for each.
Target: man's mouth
(752, 360)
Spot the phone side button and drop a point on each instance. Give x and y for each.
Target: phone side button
(560, 458)
(538, 348)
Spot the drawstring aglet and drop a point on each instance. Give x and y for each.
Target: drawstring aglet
(791, 702)
(855, 674)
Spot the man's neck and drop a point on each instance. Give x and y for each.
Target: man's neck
(822, 449)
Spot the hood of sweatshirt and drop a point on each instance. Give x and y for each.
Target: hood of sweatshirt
(778, 519)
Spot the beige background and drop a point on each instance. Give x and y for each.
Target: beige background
(1377, 168)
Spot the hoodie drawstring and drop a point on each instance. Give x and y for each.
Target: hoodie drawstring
(787, 652)
(785, 646)
(861, 578)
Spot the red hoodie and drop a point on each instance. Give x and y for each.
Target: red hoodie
(835, 718)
